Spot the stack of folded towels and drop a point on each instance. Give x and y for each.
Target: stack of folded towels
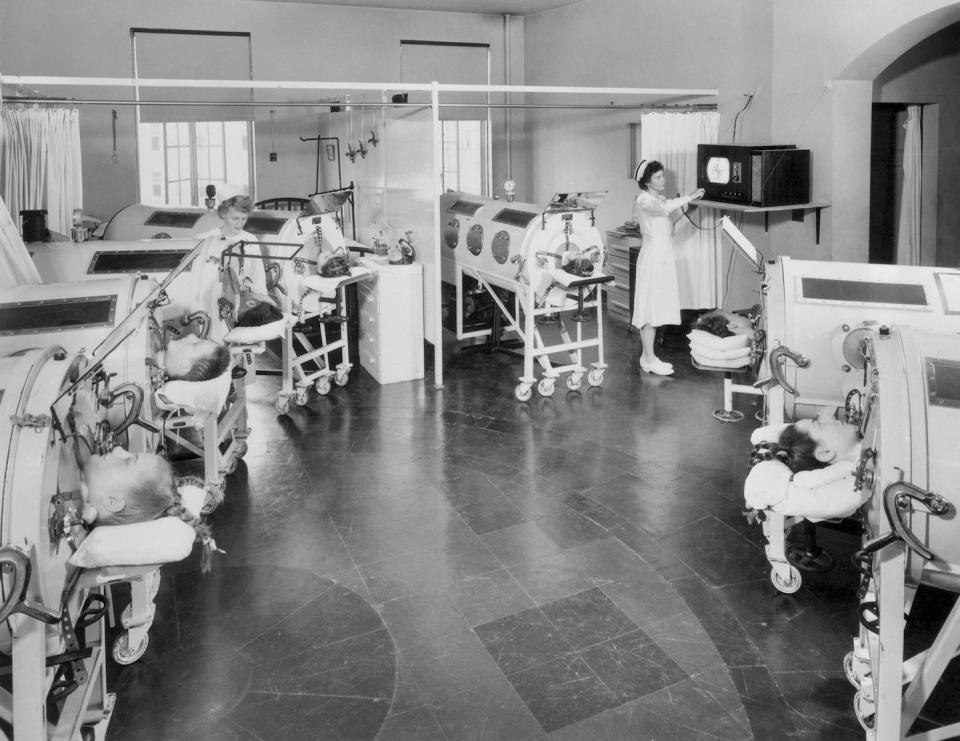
(719, 352)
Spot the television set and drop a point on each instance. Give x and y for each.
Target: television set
(754, 174)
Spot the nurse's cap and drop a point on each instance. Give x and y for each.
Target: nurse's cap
(638, 173)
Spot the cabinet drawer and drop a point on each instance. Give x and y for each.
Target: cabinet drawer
(618, 252)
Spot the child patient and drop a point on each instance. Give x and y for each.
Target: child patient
(121, 488)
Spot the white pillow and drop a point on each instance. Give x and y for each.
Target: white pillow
(823, 494)
(163, 540)
(207, 396)
(251, 335)
(719, 343)
(719, 362)
(736, 353)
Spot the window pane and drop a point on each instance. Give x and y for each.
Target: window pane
(173, 166)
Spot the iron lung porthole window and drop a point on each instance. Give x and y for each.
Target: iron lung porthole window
(475, 239)
(501, 247)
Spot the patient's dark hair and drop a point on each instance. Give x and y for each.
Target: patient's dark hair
(714, 322)
(208, 366)
(262, 313)
(795, 449)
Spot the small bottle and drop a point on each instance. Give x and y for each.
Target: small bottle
(394, 255)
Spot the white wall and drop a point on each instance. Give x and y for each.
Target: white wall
(290, 41)
(812, 61)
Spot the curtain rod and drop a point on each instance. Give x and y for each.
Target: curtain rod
(340, 104)
(135, 82)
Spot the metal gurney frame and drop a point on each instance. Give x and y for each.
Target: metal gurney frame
(296, 380)
(534, 347)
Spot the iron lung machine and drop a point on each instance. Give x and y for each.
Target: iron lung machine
(98, 317)
(908, 411)
(543, 261)
(817, 313)
(140, 221)
(52, 634)
(71, 261)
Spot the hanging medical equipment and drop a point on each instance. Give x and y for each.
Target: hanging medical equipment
(908, 410)
(550, 260)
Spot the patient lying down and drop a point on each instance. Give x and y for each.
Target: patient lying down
(193, 358)
(122, 488)
(806, 469)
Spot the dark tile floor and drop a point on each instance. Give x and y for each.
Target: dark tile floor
(410, 563)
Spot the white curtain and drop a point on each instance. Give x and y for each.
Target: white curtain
(16, 267)
(672, 139)
(40, 162)
(908, 217)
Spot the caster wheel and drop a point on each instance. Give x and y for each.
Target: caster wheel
(595, 377)
(854, 669)
(341, 379)
(787, 587)
(302, 397)
(546, 387)
(574, 381)
(523, 392)
(283, 404)
(866, 711)
(322, 386)
(121, 651)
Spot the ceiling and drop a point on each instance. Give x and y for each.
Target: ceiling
(492, 7)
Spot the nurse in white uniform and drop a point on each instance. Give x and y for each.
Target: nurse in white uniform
(234, 212)
(657, 298)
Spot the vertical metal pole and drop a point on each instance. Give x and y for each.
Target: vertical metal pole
(437, 237)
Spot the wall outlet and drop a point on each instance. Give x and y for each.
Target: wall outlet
(273, 156)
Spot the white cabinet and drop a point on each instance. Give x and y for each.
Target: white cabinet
(391, 322)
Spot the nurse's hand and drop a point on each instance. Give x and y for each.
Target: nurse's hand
(697, 194)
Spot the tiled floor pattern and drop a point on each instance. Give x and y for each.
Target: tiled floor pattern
(404, 562)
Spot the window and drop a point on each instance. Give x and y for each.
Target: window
(198, 136)
(190, 156)
(464, 155)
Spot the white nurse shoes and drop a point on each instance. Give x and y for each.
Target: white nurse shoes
(657, 367)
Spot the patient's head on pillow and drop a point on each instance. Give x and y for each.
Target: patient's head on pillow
(258, 311)
(809, 444)
(121, 487)
(192, 358)
(723, 323)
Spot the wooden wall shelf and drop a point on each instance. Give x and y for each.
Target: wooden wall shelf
(798, 210)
